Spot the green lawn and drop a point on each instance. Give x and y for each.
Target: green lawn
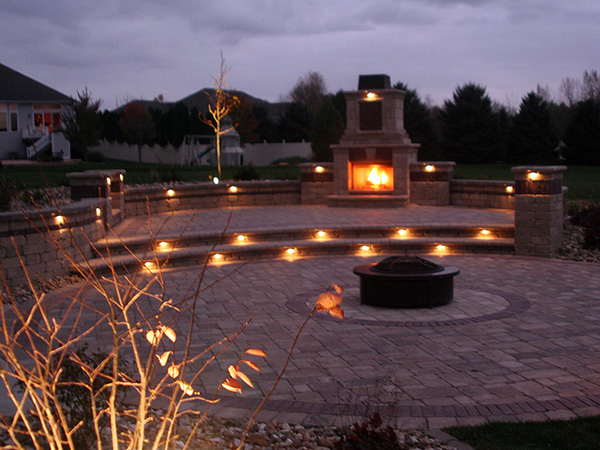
(583, 181)
(30, 177)
(576, 434)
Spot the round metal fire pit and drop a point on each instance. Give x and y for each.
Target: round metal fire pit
(406, 282)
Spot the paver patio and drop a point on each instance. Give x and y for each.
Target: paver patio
(520, 340)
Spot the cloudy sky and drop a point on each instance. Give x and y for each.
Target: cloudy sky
(126, 49)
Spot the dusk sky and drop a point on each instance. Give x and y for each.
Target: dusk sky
(128, 49)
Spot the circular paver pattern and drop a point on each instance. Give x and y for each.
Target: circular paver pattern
(467, 363)
(468, 306)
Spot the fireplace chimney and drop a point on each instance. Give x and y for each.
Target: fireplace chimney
(374, 146)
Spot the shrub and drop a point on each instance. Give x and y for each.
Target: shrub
(289, 160)
(8, 190)
(246, 173)
(369, 435)
(95, 157)
(165, 175)
(70, 399)
(36, 197)
(588, 217)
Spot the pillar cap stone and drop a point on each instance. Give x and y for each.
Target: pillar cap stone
(541, 169)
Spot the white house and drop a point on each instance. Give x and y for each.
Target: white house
(30, 117)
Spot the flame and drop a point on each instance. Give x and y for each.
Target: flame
(377, 178)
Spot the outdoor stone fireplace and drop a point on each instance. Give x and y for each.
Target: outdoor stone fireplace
(371, 164)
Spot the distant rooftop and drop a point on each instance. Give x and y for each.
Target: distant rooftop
(16, 87)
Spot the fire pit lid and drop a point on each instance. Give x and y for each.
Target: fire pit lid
(406, 265)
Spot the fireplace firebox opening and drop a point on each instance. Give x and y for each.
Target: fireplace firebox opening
(372, 178)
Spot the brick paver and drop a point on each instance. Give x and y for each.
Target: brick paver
(520, 341)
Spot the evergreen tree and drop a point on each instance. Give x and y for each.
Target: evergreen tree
(267, 128)
(161, 126)
(198, 126)
(339, 101)
(327, 130)
(582, 136)
(137, 126)
(109, 126)
(81, 123)
(295, 124)
(178, 119)
(533, 138)
(470, 127)
(418, 123)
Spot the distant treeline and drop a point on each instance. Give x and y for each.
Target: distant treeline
(469, 128)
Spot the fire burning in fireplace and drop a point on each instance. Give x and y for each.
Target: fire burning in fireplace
(377, 178)
(372, 177)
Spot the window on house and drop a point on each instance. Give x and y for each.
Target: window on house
(47, 116)
(9, 117)
(14, 117)
(3, 117)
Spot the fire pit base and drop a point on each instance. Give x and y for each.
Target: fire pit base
(406, 290)
(367, 201)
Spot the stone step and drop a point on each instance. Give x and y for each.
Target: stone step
(141, 244)
(293, 249)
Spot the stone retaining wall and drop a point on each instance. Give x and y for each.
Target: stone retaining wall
(33, 238)
(482, 194)
(157, 199)
(45, 240)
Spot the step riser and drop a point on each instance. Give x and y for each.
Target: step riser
(117, 248)
(333, 248)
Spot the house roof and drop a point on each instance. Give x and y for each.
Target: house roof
(16, 87)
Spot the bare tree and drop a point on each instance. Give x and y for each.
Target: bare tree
(544, 92)
(220, 105)
(591, 85)
(309, 91)
(570, 91)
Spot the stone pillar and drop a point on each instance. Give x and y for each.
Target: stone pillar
(317, 183)
(95, 185)
(430, 182)
(538, 209)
